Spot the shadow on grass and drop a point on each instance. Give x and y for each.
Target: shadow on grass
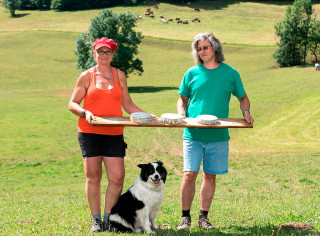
(306, 66)
(20, 15)
(149, 89)
(239, 230)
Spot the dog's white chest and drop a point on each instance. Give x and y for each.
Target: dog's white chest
(147, 196)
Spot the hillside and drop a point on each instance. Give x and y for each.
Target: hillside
(236, 22)
(273, 169)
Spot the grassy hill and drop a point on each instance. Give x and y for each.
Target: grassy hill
(273, 176)
(236, 22)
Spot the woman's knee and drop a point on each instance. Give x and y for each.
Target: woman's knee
(116, 179)
(94, 179)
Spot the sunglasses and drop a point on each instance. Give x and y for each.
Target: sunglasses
(101, 53)
(204, 48)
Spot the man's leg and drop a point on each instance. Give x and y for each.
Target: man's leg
(192, 157)
(188, 188)
(187, 192)
(215, 161)
(206, 195)
(207, 190)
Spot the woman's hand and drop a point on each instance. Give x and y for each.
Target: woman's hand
(89, 117)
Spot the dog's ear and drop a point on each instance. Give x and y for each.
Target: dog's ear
(141, 166)
(160, 162)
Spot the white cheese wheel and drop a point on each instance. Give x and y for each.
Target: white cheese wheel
(207, 119)
(170, 118)
(141, 117)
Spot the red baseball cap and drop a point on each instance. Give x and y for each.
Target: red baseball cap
(104, 42)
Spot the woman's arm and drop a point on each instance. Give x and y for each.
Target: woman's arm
(78, 94)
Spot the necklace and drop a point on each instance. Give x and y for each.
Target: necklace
(105, 77)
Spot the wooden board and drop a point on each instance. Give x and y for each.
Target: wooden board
(187, 122)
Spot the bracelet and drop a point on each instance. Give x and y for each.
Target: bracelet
(245, 111)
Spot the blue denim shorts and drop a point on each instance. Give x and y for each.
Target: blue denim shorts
(214, 156)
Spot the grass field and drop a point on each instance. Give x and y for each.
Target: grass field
(273, 170)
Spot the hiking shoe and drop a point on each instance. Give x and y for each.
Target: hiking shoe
(96, 226)
(185, 222)
(204, 223)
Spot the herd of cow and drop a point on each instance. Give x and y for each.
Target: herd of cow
(149, 13)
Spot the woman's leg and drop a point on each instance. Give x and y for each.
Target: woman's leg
(93, 169)
(115, 173)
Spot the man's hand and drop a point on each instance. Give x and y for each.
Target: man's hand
(248, 117)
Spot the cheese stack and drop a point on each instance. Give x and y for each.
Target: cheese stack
(141, 117)
(207, 119)
(170, 118)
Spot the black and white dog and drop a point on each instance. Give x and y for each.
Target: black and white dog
(138, 208)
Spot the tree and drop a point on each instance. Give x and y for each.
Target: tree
(64, 5)
(26, 5)
(303, 8)
(118, 27)
(314, 39)
(42, 4)
(11, 5)
(293, 32)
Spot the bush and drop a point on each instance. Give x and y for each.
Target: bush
(118, 27)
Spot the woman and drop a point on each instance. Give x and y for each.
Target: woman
(104, 91)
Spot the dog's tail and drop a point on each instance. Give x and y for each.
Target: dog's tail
(113, 226)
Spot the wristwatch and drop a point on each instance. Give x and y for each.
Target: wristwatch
(83, 114)
(244, 110)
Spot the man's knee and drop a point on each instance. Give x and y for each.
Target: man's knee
(190, 176)
(209, 177)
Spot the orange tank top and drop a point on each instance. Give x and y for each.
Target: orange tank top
(101, 102)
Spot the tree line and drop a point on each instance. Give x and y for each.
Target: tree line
(66, 5)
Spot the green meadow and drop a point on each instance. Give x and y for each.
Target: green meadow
(273, 168)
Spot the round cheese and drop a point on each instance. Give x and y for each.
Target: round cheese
(207, 119)
(170, 118)
(141, 117)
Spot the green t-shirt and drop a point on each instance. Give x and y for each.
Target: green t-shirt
(209, 92)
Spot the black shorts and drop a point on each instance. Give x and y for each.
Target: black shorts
(101, 145)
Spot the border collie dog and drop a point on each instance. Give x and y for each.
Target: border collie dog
(138, 208)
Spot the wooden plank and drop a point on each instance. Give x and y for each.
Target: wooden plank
(187, 122)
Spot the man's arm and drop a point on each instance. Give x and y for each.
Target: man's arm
(182, 105)
(245, 108)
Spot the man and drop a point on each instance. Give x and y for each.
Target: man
(206, 89)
